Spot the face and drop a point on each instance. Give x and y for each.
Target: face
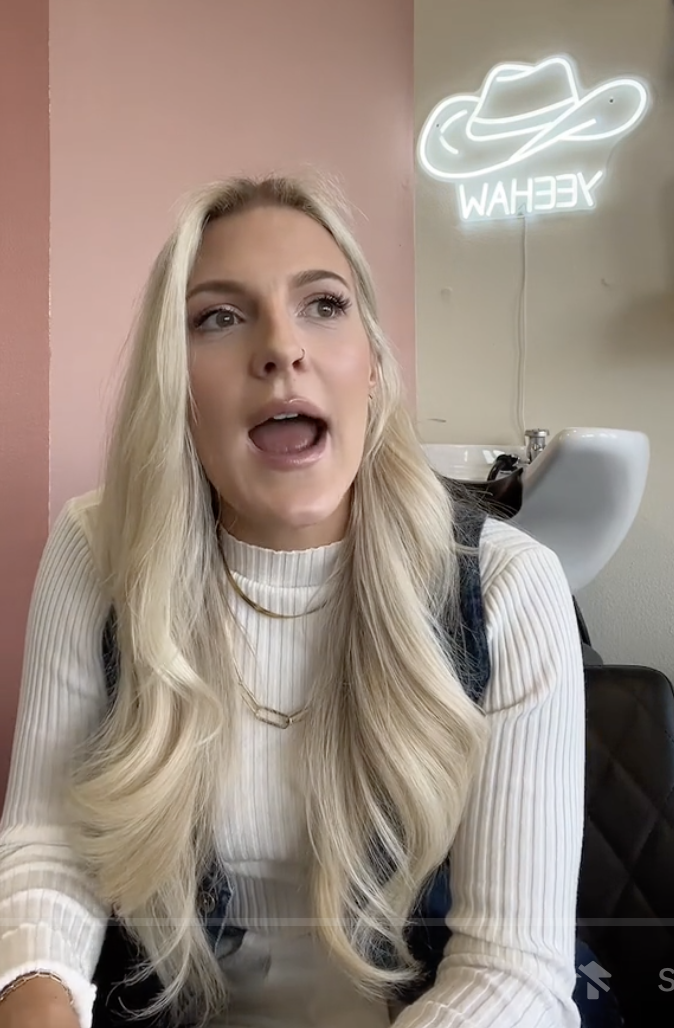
(281, 370)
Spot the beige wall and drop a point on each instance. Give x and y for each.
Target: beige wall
(150, 99)
(601, 285)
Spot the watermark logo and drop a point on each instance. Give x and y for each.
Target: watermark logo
(530, 141)
(667, 975)
(594, 972)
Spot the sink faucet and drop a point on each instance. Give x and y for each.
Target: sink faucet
(537, 439)
(507, 463)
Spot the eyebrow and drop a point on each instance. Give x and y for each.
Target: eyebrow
(302, 278)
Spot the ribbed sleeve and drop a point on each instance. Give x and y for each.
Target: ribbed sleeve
(515, 861)
(49, 916)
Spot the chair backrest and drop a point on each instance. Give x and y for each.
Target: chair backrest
(626, 893)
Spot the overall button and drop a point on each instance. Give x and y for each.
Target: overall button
(207, 902)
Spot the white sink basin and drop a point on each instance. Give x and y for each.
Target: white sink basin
(579, 497)
(470, 463)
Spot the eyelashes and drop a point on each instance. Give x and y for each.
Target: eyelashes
(337, 304)
(340, 302)
(200, 320)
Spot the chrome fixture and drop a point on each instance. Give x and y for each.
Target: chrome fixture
(537, 440)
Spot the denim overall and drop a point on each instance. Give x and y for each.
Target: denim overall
(427, 933)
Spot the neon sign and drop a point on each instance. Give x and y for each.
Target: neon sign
(529, 142)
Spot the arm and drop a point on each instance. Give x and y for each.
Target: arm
(516, 857)
(50, 918)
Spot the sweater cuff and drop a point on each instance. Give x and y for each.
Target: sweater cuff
(24, 949)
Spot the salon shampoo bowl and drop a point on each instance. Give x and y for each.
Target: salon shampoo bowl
(580, 496)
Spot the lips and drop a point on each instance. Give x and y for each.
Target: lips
(293, 427)
(293, 433)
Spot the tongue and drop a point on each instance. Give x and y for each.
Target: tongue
(291, 435)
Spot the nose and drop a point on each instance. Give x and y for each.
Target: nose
(279, 348)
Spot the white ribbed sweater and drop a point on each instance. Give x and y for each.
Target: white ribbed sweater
(515, 859)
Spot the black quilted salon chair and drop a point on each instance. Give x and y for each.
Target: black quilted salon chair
(626, 889)
(626, 895)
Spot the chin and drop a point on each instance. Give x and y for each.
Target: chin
(313, 523)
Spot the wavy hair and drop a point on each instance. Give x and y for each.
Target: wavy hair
(390, 742)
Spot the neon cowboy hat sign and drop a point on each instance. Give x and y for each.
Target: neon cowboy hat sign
(527, 115)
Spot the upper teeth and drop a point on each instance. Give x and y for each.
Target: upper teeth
(283, 417)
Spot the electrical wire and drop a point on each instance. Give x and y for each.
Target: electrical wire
(522, 334)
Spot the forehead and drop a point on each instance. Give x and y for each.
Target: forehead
(267, 244)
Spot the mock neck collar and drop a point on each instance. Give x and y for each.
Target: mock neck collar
(288, 568)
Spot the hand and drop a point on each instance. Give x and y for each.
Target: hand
(38, 1003)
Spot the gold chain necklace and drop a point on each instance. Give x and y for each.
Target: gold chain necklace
(267, 715)
(258, 608)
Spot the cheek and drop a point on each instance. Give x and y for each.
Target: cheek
(213, 391)
(351, 381)
(352, 365)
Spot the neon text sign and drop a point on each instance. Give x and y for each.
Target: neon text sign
(529, 142)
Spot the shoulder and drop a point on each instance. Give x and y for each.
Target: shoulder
(69, 603)
(529, 616)
(82, 510)
(506, 551)
(69, 560)
(78, 521)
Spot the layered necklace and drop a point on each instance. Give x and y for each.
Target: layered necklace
(267, 715)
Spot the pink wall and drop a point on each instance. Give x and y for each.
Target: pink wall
(24, 339)
(150, 99)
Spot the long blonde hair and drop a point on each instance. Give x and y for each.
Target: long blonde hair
(391, 740)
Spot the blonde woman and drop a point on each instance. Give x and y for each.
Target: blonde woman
(275, 674)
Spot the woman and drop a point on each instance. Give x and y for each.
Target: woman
(279, 712)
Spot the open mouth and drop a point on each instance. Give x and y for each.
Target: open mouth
(289, 434)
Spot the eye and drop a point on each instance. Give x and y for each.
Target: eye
(328, 307)
(217, 319)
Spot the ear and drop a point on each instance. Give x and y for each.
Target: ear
(374, 375)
